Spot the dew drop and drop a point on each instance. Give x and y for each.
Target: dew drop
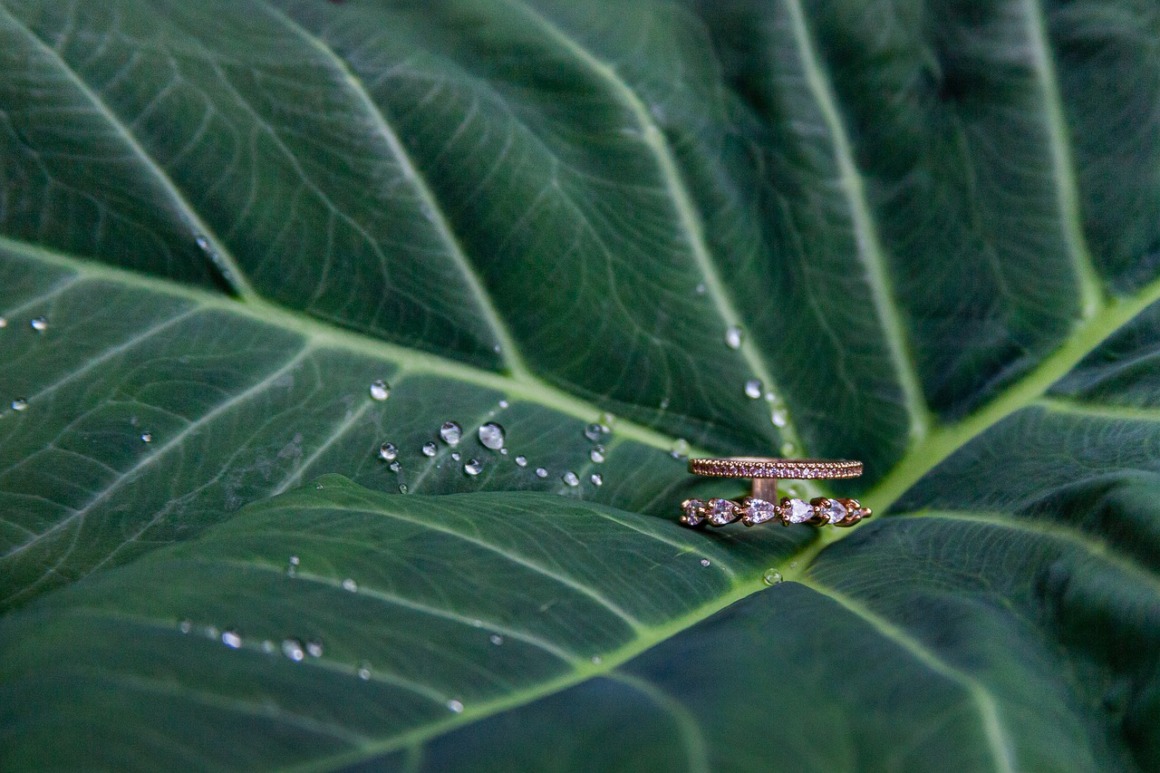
(607, 420)
(231, 639)
(269, 647)
(456, 456)
(3, 323)
(733, 337)
(597, 660)
(705, 562)
(350, 585)
(473, 467)
(202, 242)
(496, 639)
(211, 632)
(664, 405)
(293, 649)
(504, 404)
(771, 577)
(364, 671)
(753, 388)
(39, 324)
(403, 488)
(541, 472)
(521, 461)
(504, 451)
(388, 452)
(492, 436)
(680, 449)
(788, 449)
(429, 449)
(597, 479)
(779, 417)
(185, 626)
(571, 478)
(701, 289)
(395, 467)
(451, 433)
(146, 437)
(314, 648)
(380, 390)
(455, 706)
(593, 432)
(292, 566)
(19, 404)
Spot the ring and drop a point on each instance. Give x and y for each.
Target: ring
(763, 505)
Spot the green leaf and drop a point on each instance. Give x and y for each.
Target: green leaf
(934, 227)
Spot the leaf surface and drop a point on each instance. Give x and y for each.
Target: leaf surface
(931, 237)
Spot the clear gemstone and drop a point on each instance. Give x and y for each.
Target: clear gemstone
(692, 512)
(797, 511)
(721, 511)
(757, 511)
(833, 510)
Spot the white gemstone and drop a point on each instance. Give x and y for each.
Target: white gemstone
(834, 511)
(759, 511)
(692, 512)
(797, 511)
(721, 512)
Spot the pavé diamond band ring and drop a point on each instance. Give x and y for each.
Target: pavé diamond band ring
(762, 505)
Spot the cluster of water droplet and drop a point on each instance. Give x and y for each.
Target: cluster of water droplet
(39, 325)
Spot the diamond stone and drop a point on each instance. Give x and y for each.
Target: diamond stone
(721, 512)
(797, 511)
(833, 510)
(692, 509)
(756, 511)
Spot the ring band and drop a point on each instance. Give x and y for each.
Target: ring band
(791, 469)
(763, 505)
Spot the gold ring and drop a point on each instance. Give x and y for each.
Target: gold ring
(762, 505)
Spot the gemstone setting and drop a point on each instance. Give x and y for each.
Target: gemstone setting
(797, 511)
(721, 511)
(755, 511)
(692, 512)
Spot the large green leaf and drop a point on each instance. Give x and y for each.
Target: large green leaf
(935, 226)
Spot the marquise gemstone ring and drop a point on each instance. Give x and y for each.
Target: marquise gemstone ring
(763, 505)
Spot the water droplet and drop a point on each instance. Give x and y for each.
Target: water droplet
(403, 488)
(429, 449)
(185, 626)
(231, 639)
(753, 388)
(597, 660)
(779, 417)
(496, 639)
(19, 404)
(680, 449)
(292, 566)
(314, 648)
(705, 562)
(456, 456)
(146, 437)
(268, 647)
(364, 671)
(597, 455)
(492, 436)
(665, 404)
(394, 467)
(788, 449)
(473, 467)
(541, 472)
(350, 585)
(451, 433)
(388, 452)
(504, 404)
(455, 706)
(477, 623)
(504, 451)
(211, 632)
(3, 323)
(293, 649)
(570, 478)
(202, 242)
(521, 461)
(380, 390)
(701, 289)
(597, 479)
(593, 432)
(733, 337)
(39, 324)
(607, 420)
(294, 561)
(771, 577)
